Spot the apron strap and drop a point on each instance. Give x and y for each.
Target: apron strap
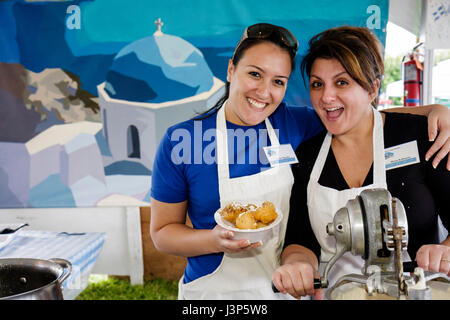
(379, 166)
(222, 144)
(271, 133)
(321, 158)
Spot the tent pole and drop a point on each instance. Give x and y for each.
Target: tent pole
(428, 77)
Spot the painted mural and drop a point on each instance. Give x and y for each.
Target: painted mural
(88, 88)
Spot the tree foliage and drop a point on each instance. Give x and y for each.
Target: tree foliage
(392, 70)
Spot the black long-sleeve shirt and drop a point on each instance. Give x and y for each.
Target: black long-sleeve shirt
(423, 190)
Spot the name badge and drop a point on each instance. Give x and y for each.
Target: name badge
(280, 155)
(401, 155)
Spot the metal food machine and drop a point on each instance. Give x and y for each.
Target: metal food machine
(374, 226)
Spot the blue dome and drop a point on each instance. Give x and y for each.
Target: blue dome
(156, 69)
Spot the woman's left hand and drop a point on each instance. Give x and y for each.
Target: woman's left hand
(439, 121)
(434, 257)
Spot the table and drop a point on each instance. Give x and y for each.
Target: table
(81, 249)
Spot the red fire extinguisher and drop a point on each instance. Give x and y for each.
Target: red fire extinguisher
(412, 79)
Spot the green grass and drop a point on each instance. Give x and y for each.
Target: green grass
(102, 287)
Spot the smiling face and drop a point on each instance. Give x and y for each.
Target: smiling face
(257, 83)
(341, 103)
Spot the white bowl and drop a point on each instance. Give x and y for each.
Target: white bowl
(253, 235)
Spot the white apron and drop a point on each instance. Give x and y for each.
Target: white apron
(246, 275)
(323, 202)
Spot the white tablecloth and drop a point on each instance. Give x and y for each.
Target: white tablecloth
(81, 249)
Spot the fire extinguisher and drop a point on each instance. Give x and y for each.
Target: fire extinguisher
(412, 79)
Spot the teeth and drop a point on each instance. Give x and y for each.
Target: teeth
(256, 104)
(333, 109)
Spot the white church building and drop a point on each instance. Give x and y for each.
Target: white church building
(153, 83)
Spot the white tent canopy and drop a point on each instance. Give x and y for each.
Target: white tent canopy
(395, 89)
(407, 14)
(426, 19)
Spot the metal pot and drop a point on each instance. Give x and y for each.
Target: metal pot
(33, 279)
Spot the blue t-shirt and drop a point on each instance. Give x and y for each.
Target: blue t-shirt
(185, 166)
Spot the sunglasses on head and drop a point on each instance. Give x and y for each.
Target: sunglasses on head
(266, 31)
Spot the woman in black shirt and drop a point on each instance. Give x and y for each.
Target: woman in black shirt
(345, 67)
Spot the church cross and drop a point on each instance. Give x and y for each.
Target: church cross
(158, 24)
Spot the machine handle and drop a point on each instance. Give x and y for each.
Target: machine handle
(317, 285)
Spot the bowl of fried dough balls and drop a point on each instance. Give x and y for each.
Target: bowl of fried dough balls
(252, 221)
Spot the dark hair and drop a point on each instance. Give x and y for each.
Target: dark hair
(357, 49)
(239, 51)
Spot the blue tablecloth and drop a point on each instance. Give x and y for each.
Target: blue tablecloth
(81, 249)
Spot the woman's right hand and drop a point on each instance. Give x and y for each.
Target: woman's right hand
(296, 279)
(223, 242)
